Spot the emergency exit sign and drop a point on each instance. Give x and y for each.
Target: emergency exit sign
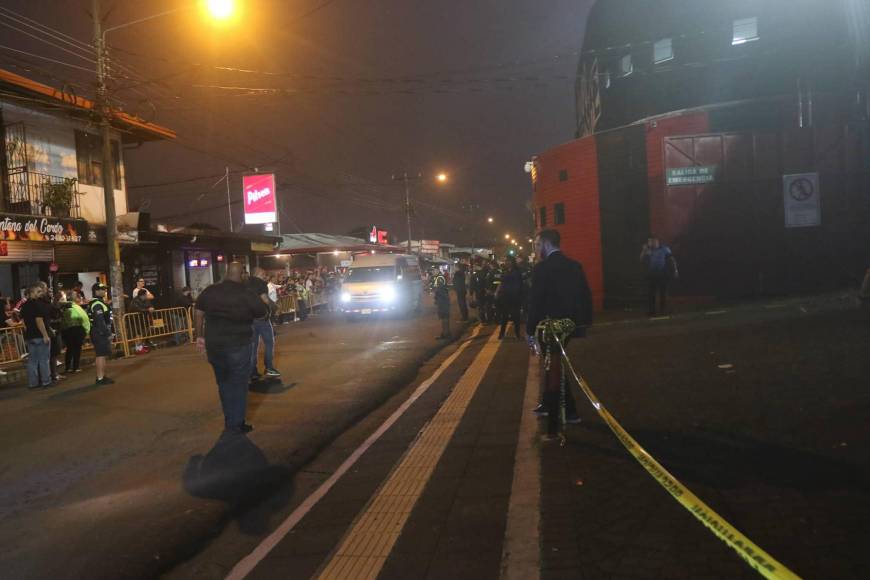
(697, 175)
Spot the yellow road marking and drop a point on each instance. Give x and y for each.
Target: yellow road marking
(364, 550)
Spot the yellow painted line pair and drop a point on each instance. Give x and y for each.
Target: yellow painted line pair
(366, 547)
(758, 559)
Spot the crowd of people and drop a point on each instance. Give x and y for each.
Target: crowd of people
(56, 322)
(499, 292)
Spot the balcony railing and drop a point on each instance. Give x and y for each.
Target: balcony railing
(34, 193)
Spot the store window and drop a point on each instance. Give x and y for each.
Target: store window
(542, 217)
(89, 156)
(559, 214)
(663, 50)
(744, 30)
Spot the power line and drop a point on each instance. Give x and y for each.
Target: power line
(60, 62)
(43, 40)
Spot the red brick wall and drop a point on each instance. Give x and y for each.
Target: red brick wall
(581, 232)
(689, 124)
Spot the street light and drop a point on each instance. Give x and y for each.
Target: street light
(507, 236)
(489, 219)
(220, 10)
(441, 178)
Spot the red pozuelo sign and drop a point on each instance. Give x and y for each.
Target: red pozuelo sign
(261, 206)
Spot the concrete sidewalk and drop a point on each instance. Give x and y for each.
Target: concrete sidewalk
(751, 413)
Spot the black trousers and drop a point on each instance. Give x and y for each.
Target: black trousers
(552, 386)
(509, 310)
(463, 305)
(658, 292)
(73, 337)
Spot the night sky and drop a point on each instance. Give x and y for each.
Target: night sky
(365, 89)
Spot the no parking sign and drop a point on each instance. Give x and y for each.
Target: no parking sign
(802, 200)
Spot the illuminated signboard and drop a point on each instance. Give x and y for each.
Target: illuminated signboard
(377, 236)
(261, 206)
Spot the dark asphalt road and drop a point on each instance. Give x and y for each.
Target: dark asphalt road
(100, 482)
(760, 411)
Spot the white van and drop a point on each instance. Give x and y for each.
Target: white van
(382, 283)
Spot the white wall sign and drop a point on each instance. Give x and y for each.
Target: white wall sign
(802, 200)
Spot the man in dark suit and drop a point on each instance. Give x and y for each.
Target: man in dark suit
(559, 290)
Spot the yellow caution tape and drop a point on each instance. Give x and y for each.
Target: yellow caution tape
(758, 559)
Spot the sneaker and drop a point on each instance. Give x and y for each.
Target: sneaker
(272, 373)
(572, 420)
(77, 370)
(247, 428)
(3, 373)
(540, 411)
(58, 364)
(59, 377)
(105, 381)
(25, 355)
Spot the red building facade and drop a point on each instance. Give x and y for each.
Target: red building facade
(565, 180)
(606, 193)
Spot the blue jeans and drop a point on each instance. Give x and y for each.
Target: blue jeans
(262, 328)
(232, 371)
(37, 362)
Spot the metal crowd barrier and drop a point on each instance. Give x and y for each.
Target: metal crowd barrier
(142, 326)
(13, 348)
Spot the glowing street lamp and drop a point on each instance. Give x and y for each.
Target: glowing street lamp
(489, 219)
(507, 236)
(221, 9)
(441, 177)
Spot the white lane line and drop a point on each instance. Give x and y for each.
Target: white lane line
(249, 562)
(521, 553)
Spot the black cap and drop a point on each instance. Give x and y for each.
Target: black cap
(98, 286)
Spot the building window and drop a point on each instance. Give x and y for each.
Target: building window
(542, 219)
(625, 66)
(744, 30)
(559, 214)
(89, 156)
(663, 50)
(563, 175)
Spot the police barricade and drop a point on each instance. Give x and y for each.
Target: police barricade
(13, 348)
(166, 322)
(286, 305)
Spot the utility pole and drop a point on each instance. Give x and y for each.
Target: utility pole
(104, 110)
(405, 178)
(229, 205)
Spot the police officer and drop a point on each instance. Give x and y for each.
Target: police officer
(101, 331)
(459, 286)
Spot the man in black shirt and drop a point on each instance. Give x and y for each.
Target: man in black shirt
(36, 315)
(225, 313)
(559, 290)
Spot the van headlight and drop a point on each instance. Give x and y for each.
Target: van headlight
(345, 296)
(389, 294)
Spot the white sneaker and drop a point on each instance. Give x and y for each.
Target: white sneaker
(3, 373)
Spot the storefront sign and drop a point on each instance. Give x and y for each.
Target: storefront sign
(259, 197)
(697, 175)
(432, 247)
(802, 200)
(42, 229)
(380, 237)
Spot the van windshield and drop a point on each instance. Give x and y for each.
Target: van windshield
(374, 274)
